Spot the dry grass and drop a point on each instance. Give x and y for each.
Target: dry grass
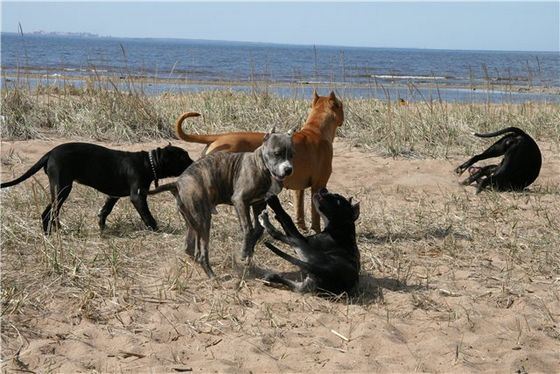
(423, 129)
(450, 280)
(448, 257)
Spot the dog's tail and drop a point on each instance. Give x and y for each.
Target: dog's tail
(193, 138)
(171, 187)
(514, 130)
(35, 168)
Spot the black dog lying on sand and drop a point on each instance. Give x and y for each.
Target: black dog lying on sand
(519, 168)
(330, 259)
(115, 173)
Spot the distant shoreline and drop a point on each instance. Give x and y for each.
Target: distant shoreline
(400, 82)
(394, 91)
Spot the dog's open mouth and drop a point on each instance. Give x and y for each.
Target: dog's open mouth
(277, 177)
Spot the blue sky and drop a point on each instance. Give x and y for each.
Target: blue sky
(527, 26)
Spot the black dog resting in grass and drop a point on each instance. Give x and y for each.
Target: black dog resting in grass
(330, 259)
(115, 173)
(519, 168)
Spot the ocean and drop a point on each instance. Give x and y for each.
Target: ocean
(171, 65)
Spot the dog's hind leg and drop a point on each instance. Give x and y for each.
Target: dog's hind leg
(190, 246)
(59, 194)
(483, 183)
(106, 210)
(485, 171)
(203, 238)
(197, 236)
(315, 218)
(495, 150)
(497, 182)
(308, 284)
(138, 199)
(190, 243)
(316, 186)
(299, 203)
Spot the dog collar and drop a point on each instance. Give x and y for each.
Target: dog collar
(152, 164)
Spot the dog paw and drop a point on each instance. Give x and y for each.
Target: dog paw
(271, 278)
(263, 218)
(242, 259)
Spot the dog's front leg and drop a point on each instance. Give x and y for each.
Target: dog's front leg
(243, 210)
(139, 200)
(272, 231)
(258, 208)
(495, 150)
(299, 203)
(285, 220)
(106, 210)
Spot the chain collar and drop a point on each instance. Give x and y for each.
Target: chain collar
(152, 164)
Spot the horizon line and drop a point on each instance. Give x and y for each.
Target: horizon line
(76, 34)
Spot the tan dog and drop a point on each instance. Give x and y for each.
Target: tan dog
(312, 144)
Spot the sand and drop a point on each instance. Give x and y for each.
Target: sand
(441, 291)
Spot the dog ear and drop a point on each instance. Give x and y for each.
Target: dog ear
(315, 97)
(267, 135)
(293, 130)
(356, 211)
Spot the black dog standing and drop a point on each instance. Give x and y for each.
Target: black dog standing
(519, 168)
(115, 173)
(330, 259)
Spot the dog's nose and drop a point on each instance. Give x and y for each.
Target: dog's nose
(288, 170)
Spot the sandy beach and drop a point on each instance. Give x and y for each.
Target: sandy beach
(451, 281)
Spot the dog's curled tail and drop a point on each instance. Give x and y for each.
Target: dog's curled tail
(514, 130)
(171, 187)
(205, 139)
(35, 168)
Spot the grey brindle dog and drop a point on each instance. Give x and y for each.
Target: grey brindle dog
(240, 179)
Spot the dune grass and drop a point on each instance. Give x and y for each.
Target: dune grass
(422, 129)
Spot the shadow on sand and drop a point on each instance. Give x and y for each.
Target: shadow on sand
(368, 291)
